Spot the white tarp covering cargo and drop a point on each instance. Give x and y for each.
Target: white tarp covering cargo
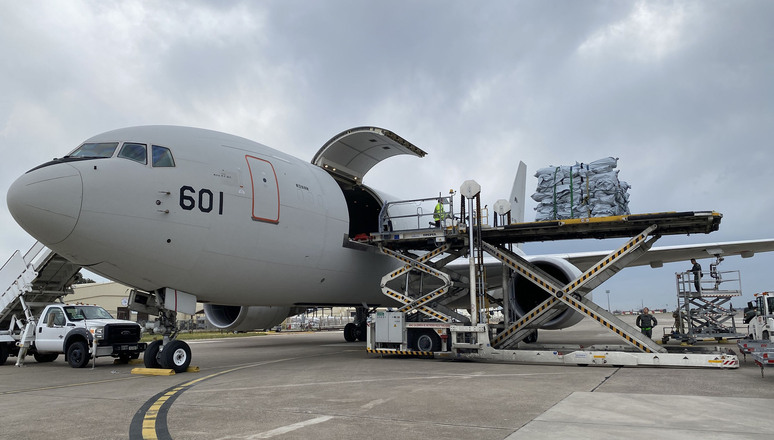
(581, 190)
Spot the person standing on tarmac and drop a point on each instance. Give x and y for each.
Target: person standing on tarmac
(646, 322)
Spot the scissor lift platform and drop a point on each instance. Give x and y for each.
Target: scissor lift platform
(473, 341)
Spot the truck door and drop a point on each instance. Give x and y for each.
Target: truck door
(52, 329)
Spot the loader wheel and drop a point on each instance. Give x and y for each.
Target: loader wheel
(78, 354)
(151, 355)
(45, 357)
(427, 341)
(175, 355)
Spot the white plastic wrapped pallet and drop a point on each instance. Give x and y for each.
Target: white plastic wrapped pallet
(581, 190)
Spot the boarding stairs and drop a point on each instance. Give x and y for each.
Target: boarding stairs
(30, 282)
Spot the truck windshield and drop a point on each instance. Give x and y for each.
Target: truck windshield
(79, 313)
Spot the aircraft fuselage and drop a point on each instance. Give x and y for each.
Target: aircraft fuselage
(232, 222)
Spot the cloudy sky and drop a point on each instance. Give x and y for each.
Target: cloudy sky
(681, 92)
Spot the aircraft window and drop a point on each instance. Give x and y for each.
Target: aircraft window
(162, 157)
(95, 149)
(135, 152)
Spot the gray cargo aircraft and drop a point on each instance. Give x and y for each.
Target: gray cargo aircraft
(253, 233)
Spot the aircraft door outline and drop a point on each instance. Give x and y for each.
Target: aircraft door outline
(266, 198)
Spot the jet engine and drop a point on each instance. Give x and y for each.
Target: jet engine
(243, 318)
(526, 295)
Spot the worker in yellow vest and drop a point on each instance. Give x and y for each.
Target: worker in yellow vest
(438, 213)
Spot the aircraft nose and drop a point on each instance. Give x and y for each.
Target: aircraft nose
(46, 202)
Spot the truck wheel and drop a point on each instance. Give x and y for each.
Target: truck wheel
(150, 358)
(78, 354)
(175, 355)
(3, 352)
(45, 357)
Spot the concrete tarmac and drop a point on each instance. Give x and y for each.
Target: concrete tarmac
(314, 385)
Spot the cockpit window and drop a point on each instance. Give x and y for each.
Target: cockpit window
(162, 157)
(95, 149)
(135, 152)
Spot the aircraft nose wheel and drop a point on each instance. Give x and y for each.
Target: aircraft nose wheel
(175, 355)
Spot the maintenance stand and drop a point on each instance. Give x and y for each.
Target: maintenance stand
(432, 292)
(706, 314)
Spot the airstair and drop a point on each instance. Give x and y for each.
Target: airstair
(29, 283)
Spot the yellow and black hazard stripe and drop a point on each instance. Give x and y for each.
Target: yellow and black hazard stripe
(430, 296)
(526, 319)
(577, 305)
(430, 312)
(399, 352)
(610, 259)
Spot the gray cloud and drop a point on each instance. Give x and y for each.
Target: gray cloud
(679, 91)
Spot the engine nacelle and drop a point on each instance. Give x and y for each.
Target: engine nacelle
(243, 318)
(526, 295)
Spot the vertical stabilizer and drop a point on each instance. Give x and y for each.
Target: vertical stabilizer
(518, 192)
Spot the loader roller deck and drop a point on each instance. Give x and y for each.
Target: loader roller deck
(624, 226)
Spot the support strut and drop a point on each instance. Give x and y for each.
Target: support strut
(574, 293)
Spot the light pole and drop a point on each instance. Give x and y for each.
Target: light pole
(608, 301)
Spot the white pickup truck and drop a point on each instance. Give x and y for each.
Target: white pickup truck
(80, 332)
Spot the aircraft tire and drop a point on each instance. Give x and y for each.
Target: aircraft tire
(45, 357)
(150, 356)
(176, 355)
(349, 332)
(3, 352)
(78, 354)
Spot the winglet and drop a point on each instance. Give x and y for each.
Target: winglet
(518, 192)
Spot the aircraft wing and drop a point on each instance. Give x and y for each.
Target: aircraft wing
(657, 256)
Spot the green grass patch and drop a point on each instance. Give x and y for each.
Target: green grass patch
(184, 336)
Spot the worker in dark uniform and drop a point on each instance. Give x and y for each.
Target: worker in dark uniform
(696, 269)
(646, 322)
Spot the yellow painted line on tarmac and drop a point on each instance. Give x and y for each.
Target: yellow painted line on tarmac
(150, 421)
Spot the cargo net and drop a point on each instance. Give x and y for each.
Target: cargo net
(581, 190)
